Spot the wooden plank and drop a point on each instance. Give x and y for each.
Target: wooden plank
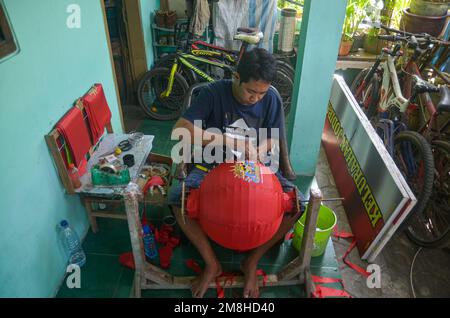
(301, 263)
(164, 4)
(135, 37)
(310, 228)
(310, 286)
(109, 215)
(92, 219)
(61, 166)
(111, 59)
(184, 282)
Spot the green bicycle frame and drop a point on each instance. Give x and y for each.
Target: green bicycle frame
(183, 58)
(213, 54)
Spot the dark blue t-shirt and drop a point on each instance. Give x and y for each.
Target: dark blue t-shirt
(217, 108)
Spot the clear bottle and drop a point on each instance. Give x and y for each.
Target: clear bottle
(72, 244)
(150, 249)
(74, 176)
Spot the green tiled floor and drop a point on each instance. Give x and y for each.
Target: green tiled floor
(103, 276)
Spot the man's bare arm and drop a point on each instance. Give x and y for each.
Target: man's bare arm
(206, 137)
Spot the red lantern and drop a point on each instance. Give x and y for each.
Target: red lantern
(239, 205)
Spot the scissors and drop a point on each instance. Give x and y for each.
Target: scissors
(124, 145)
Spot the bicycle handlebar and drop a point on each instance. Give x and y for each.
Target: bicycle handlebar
(413, 40)
(421, 37)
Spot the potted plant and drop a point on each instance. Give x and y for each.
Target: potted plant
(425, 16)
(355, 13)
(433, 8)
(377, 11)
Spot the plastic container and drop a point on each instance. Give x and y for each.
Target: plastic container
(287, 30)
(150, 249)
(100, 177)
(72, 244)
(325, 224)
(74, 176)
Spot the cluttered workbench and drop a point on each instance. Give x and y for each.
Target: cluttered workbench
(98, 166)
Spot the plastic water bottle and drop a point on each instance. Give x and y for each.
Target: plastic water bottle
(72, 244)
(150, 249)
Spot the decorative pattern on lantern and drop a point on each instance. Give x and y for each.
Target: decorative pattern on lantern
(239, 205)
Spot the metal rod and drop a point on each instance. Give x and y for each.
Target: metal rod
(183, 192)
(330, 199)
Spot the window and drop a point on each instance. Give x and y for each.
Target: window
(7, 43)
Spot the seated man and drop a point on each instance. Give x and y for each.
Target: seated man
(233, 106)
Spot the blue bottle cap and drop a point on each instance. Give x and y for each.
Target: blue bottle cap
(146, 229)
(64, 223)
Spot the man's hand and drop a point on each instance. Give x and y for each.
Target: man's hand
(251, 152)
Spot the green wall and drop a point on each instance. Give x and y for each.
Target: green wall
(147, 8)
(55, 65)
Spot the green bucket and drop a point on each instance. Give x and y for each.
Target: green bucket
(325, 224)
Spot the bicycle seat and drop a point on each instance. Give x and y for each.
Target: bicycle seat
(248, 38)
(252, 31)
(444, 103)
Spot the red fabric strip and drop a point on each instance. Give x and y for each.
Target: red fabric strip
(190, 263)
(355, 267)
(97, 110)
(260, 272)
(322, 292)
(325, 280)
(76, 135)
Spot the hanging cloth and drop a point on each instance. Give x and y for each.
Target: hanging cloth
(232, 14)
(200, 18)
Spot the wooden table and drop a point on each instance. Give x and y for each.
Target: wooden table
(92, 196)
(358, 60)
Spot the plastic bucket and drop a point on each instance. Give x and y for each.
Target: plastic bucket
(325, 223)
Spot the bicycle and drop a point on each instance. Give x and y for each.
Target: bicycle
(411, 150)
(161, 89)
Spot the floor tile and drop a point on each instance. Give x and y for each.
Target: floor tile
(99, 278)
(112, 238)
(123, 288)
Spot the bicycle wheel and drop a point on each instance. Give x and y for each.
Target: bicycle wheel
(150, 87)
(168, 60)
(369, 97)
(284, 85)
(432, 227)
(286, 68)
(414, 158)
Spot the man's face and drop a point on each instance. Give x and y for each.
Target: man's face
(251, 92)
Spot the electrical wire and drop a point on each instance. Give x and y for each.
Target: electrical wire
(411, 272)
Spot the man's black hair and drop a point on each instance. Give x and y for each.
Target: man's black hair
(258, 65)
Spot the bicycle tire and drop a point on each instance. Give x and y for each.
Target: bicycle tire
(371, 109)
(284, 85)
(287, 68)
(148, 88)
(168, 60)
(420, 149)
(426, 231)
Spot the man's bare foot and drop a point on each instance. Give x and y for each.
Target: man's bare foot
(251, 289)
(201, 283)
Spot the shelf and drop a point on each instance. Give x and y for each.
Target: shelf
(163, 45)
(162, 29)
(359, 60)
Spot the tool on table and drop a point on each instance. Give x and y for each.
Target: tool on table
(124, 145)
(128, 160)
